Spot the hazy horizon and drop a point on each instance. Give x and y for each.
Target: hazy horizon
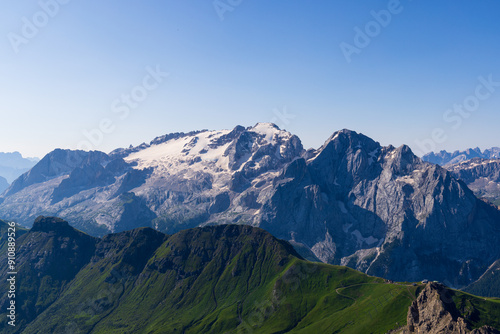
(100, 76)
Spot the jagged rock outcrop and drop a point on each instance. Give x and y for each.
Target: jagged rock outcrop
(177, 181)
(353, 202)
(481, 175)
(56, 163)
(383, 211)
(435, 312)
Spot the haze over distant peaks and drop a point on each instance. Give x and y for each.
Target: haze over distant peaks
(480, 170)
(12, 165)
(3, 184)
(446, 158)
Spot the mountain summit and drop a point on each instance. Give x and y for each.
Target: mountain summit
(381, 210)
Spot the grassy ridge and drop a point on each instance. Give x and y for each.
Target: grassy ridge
(232, 279)
(218, 279)
(45, 263)
(476, 310)
(488, 285)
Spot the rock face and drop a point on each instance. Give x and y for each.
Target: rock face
(353, 202)
(383, 211)
(481, 175)
(480, 170)
(446, 158)
(56, 163)
(435, 312)
(175, 182)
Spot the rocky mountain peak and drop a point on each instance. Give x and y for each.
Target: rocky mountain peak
(346, 142)
(264, 126)
(175, 135)
(248, 151)
(54, 164)
(52, 224)
(434, 311)
(481, 175)
(378, 209)
(344, 159)
(351, 138)
(403, 160)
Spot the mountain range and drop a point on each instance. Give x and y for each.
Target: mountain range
(215, 279)
(449, 158)
(12, 165)
(480, 170)
(481, 175)
(378, 209)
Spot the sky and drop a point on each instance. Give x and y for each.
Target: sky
(98, 75)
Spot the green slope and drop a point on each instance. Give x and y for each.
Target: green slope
(488, 285)
(47, 258)
(476, 310)
(218, 279)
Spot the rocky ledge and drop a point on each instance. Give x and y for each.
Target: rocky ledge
(435, 312)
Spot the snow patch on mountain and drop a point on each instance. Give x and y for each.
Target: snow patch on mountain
(197, 150)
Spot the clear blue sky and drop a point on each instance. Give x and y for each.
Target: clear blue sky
(263, 58)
